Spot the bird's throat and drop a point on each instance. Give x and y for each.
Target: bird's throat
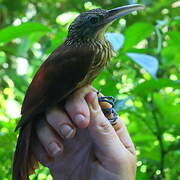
(102, 54)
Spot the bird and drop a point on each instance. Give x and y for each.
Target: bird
(74, 64)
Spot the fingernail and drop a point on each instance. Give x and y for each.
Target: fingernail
(79, 118)
(54, 149)
(66, 131)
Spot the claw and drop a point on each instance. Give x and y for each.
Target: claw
(115, 117)
(108, 111)
(108, 99)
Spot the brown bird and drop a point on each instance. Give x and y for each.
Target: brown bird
(72, 65)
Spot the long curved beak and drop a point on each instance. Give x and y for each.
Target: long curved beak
(122, 11)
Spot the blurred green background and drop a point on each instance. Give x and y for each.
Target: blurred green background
(143, 75)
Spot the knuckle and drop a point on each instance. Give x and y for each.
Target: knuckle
(96, 113)
(85, 88)
(104, 126)
(83, 91)
(72, 102)
(71, 107)
(53, 111)
(52, 114)
(57, 118)
(50, 118)
(77, 107)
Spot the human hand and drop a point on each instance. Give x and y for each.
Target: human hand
(96, 152)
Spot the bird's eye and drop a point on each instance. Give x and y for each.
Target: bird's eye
(94, 20)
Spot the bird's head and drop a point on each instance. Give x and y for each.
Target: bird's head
(93, 24)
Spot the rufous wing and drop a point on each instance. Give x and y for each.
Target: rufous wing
(57, 77)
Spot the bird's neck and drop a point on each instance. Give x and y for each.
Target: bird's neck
(102, 53)
(80, 41)
(99, 45)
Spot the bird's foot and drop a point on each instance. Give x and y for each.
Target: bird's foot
(107, 106)
(108, 99)
(111, 115)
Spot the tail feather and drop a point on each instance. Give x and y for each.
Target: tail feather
(24, 160)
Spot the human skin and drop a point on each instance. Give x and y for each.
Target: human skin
(79, 143)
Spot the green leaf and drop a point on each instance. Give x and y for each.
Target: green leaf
(174, 146)
(174, 38)
(51, 45)
(149, 63)
(169, 111)
(171, 56)
(9, 33)
(137, 32)
(147, 87)
(108, 89)
(2, 57)
(27, 43)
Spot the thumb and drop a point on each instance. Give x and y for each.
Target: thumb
(108, 147)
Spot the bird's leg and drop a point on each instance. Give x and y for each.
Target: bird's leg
(107, 106)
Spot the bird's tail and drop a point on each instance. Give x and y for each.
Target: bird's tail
(24, 160)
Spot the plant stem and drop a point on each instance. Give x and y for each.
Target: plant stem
(159, 138)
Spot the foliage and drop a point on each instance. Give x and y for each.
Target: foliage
(143, 75)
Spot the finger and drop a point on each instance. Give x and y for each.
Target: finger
(77, 107)
(48, 138)
(61, 123)
(40, 153)
(120, 129)
(103, 134)
(124, 136)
